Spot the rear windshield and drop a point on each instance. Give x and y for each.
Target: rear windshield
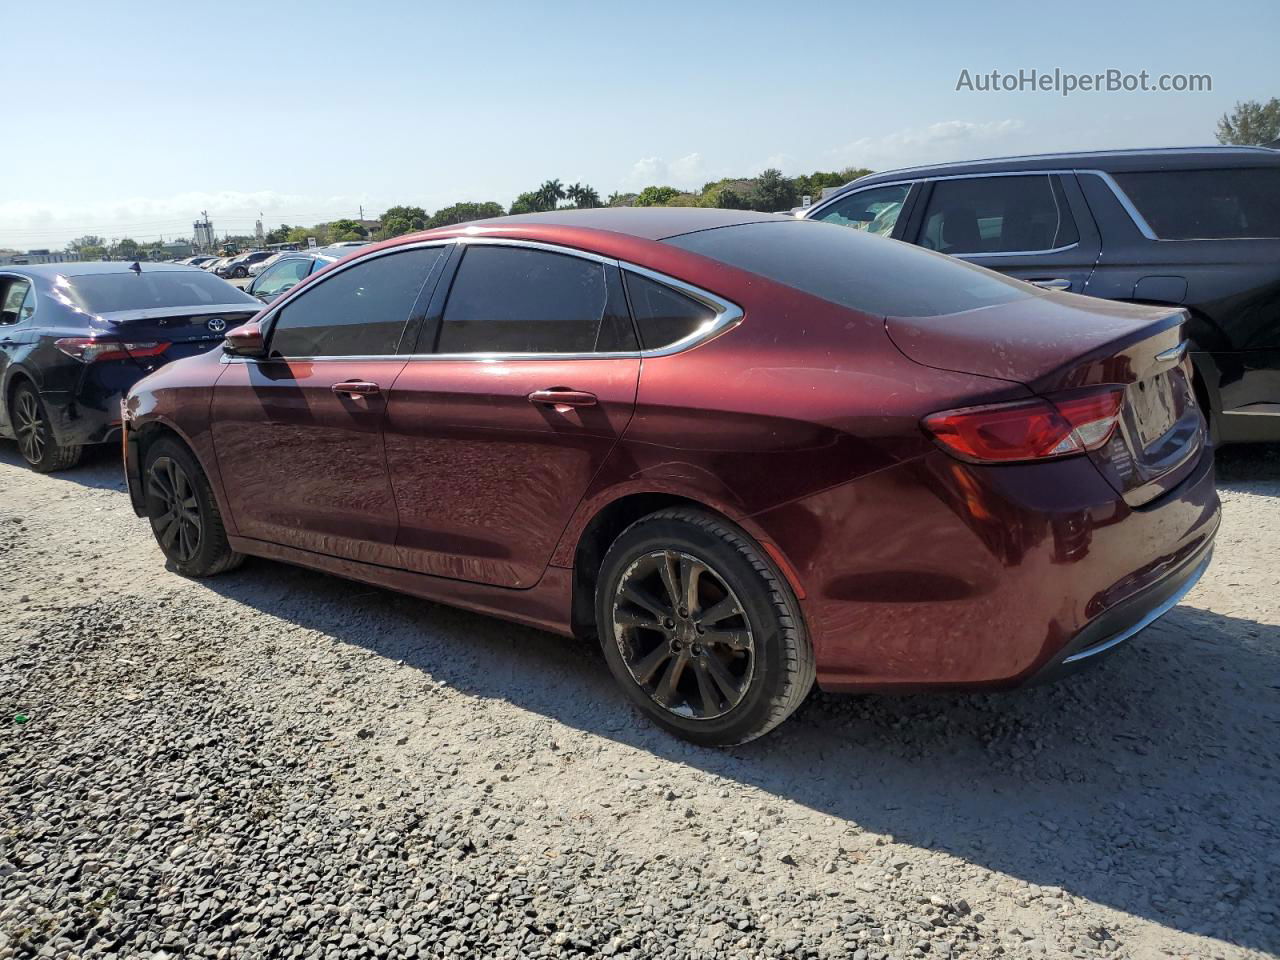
(108, 292)
(1207, 204)
(855, 269)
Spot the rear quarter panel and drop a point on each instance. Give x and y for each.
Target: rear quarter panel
(178, 397)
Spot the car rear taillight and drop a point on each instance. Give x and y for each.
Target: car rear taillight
(1040, 429)
(91, 349)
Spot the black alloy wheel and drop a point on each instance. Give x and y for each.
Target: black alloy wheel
(683, 635)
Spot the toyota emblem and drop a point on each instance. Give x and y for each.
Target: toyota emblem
(216, 324)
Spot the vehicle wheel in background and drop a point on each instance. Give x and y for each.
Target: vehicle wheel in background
(34, 431)
(700, 629)
(183, 512)
(239, 273)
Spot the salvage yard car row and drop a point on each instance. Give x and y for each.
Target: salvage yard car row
(744, 451)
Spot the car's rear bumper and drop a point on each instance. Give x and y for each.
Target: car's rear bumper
(938, 574)
(1126, 620)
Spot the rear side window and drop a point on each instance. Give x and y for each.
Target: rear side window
(1207, 204)
(18, 303)
(518, 300)
(664, 316)
(998, 215)
(855, 269)
(359, 311)
(150, 289)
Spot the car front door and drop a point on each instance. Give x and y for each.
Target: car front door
(524, 380)
(1035, 226)
(298, 433)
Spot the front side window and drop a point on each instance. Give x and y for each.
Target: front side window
(874, 210)
(18, 304)
(519, 300)
(282, 276)
(1207, 204)
(359, 311)
(997, 215)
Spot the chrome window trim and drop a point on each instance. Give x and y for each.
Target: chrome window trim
(1014, 253)
(271, 313)
(727, 313)
(31, 287)
(1122, 198)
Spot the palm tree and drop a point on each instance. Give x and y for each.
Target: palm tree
(584, 196)
(551, 193)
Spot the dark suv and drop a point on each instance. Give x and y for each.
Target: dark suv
(1198, 228)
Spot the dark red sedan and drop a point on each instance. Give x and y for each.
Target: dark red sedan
(742, 449)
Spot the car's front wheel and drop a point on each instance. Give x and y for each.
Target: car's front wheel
(36, 441)
(239, 273)
(183, 512)
(700, 629)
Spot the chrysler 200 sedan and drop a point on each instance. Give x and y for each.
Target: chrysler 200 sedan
(743, 450)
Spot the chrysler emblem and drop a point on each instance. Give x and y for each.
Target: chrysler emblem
(216, 324)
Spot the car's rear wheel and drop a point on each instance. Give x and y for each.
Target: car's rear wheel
(36, 441)
(183, 512)
(700, 629)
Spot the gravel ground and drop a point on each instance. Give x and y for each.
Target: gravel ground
(278, 763)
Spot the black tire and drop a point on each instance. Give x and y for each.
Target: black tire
(36, 440)
(239, 273)
(739, 652)
(183, 512)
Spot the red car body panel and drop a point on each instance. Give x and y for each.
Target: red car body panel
(801, 424)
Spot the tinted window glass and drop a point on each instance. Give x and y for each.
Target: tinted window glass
(663, 315)
(872, 274)
(106, 292)
(18, 302)
(359, 311)
(279, 277)
(1207, 204)
(515, 300)
(997, 214)
(874, 210)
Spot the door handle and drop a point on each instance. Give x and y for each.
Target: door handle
(1056, 284)
(563, 397)
(355, 388)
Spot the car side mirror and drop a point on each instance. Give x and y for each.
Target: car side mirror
(245, 340)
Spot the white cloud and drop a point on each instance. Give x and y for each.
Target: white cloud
(688, 173)
(936, 143)
(29, 224)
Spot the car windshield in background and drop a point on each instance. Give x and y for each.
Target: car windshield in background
(1207, 204)
(108, 292)
(855, 269)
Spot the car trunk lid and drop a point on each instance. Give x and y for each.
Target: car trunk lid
(187, 329)
(1061, 342)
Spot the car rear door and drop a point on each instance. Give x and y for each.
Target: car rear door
(1034, 226)
(298, 433)
(524, 380)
